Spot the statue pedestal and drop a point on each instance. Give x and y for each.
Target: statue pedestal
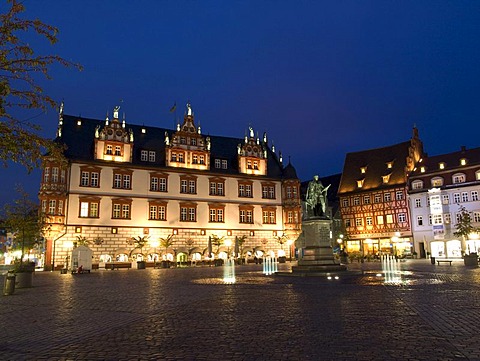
(318, 254)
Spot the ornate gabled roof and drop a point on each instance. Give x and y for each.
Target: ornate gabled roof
(79, 140)
(289, 172)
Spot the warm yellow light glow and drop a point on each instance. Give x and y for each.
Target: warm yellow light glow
(144, 130)
(228, 242)
(422, 169)
(441, 165)
(79, 122)
(154, 243)
(68, 244)
(463, 161)
(473, 235)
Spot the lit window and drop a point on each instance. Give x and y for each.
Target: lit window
(363, 170)
(380, 220)
(437, 182)
(441, 165)
(417, 185)
(151, 156)
(360, 183)
(386, 178)
(389, 218)
(143, 155)
(369, 221)
(463, 161)
(458, 178)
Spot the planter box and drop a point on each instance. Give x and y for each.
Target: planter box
(24, 280)
(141, 264)
(471, 260)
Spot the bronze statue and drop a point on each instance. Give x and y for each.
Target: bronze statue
(316, 197)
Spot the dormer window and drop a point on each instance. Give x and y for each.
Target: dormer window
(458, 178)
(363, 170)
(437, 182)
(441, 165)
(463, 161)
(144, 130)
(390, 165)
(79, 122)
(360, 183)
(386, 178)
(193, 141)
(422, 169)
(418, 184)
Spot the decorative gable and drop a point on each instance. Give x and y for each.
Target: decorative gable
(113, 142)
(187, 148)
(252, 155)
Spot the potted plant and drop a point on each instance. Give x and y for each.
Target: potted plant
(140, 242)
(166, 243)
(217, 242)
(239, 241)
(281, 240)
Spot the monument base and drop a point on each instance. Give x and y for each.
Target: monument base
(318, 255)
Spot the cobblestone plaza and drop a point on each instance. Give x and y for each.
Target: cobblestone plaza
(412, 311)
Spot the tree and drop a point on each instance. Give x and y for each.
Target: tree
(240, 240)
(217, 242)
(166, 242)
(139, 242)
(464, 226)
(25, 222)
(20, 89)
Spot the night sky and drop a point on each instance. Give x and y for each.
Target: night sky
(322, 78)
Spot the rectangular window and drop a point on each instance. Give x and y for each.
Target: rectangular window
(459, 178)
(94, 177)
(55, 175)
(419, 220)
(474, 195)
(220, 215)
(126, 181)
(217, 163)
(46, 175)
(458, 216)
(402, 218)
(377, 198)
(163, 185)
(243, 218)
(154, 184)
(109, 149)
(126, 211)
(464, 196)
(224, 164)
(195, 159)
(437, 219)
(118, 150)
(51, 206)
(345, 202)
(84, 209)
(62, 176)
(429, 219)
(249, 216)
(220, 191)
(348, 223)
(358, 222)
(60, 207)
(389, 219)
(248, 190)
(192, 187)
(143, 155)
(192, 216)
(213, 188)
(418, 202)
(380, 220)
(241, 190)
(290, 217)
(183, 186)
(94, 210)
(447, 218)
(445, 199)
(151, 156)
(180, 158)
(456, 197)
(366, 200)
(265, 217)
(116, 211)
(386, 197)
(85, 179)
(289, 193)
(117, 181)
(476, 216)
(183, 214)
(356, 201)
(202, 159)
(157, 212)
(398, 195)
(369, 221)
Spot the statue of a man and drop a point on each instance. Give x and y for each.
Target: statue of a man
(316, 197)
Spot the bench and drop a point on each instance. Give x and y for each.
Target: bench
(118, 265)
(444, 261)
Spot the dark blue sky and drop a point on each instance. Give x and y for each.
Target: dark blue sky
(322, 78)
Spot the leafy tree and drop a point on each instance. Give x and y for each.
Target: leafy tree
(139, 242)
(217, 242)
(240, 240)
(464, 226)
(281, 240)
(25, 222)
(20, 89)
(81, 241)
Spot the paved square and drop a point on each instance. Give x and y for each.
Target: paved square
(415, 311)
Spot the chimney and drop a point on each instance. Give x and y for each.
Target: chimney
(463, 148)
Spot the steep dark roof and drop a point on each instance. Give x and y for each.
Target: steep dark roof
(79, 140)
(375, 161)
(451, 161)
(289, 172)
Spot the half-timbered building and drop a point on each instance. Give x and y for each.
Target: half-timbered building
(373, 198)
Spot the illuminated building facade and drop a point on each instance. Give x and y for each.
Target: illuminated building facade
(123, 181)
(373, 198)
(438, 187)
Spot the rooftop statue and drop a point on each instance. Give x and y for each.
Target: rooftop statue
(316, 198)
